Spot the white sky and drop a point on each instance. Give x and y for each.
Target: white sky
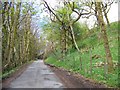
(112, 15)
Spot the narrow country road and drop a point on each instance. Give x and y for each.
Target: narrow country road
(37, 75)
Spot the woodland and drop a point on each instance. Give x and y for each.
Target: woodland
(63, 40)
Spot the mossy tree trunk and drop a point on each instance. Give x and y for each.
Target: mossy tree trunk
(104, 36)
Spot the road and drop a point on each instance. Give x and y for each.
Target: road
(37, 75)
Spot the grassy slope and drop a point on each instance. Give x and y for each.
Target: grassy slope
(72, 60)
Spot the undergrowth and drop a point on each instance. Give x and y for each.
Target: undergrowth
(72, 61)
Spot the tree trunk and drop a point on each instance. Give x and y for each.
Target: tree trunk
(73, 36)
(90, 52)
(72, 40)
(106, 17)
(80, 63)
(104, 35)
(63, 41)
(105, 14)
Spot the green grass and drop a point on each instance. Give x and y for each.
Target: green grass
(72, 60)
(6, 74)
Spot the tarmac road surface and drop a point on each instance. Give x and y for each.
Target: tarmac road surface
(37, 75)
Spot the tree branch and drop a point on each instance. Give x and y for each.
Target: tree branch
(51, 11)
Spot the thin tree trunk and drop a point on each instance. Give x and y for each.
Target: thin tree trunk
(65, 42)
(80, 63)
(90, 51)
(105, 68)
(72, 40)
(105, 14)
(73, 36)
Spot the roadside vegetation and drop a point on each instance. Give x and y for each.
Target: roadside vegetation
(91, 52)
(20, 43)
(80, 63)
(61, 39)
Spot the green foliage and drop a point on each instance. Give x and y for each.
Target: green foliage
(72, 59)
(11, 71)
(19, 44)
(114, 26)
(52, 32)
(80, 30)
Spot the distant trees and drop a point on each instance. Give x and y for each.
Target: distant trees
(19, 44)
(51, 37)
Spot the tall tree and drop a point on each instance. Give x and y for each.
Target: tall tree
(19, 44)
(63, 16)
(98, 6)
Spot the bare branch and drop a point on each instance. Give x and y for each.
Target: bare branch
(79, 15)
(51, 18)
(88, 16)
(51, 11)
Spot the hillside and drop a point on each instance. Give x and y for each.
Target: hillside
(93, 53)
